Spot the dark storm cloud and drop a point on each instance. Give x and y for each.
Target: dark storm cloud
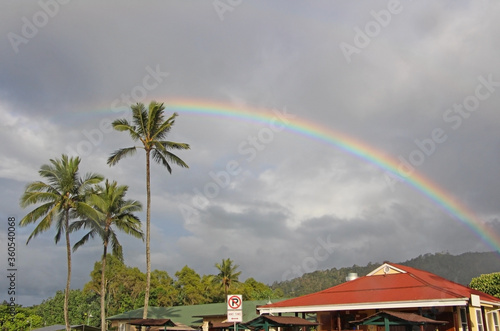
(297, 203)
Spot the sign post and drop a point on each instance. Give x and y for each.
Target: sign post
(235, 309)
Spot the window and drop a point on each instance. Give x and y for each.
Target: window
(463, 319)
(479, 319)
(495, 321)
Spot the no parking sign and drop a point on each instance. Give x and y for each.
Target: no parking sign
(234, 308)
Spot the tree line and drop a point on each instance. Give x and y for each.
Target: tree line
(125, 291)
(125, 288)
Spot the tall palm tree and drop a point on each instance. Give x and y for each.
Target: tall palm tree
(150, 128)
(227, 275)
(112, 210)
(60, 199)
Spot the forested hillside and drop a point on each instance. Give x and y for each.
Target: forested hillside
(125, 288)
(458, 268)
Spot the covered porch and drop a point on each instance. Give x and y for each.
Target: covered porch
(391, 320)
(282, 323)
(152, 323)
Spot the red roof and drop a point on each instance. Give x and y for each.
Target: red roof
(409, 284)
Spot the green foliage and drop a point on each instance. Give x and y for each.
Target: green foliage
(458, 268)
(81, 304)
(227, 275)
(210, 290)
(189, 286)
(487, 283)
(110, 211)
(23, 318)
(254, 290)
(63, 191)
(22, 322)
(164, 294)
(124, 285)
(319, 280)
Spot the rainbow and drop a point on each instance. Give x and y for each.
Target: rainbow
(351, 145)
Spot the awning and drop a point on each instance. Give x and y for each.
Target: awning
(226, 325)
(263, 322)
(388, 318)
(152, 322)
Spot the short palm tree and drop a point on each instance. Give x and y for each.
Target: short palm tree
(112, 210)
(227, 275)
(60, 198)
(150, 128)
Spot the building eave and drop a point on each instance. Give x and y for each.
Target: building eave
(492, 303)
(368, 305)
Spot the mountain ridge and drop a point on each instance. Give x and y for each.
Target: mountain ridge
(458, 268)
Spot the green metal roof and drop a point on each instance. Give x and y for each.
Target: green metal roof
(193, 315)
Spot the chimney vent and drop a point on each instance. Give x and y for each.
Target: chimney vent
(351, 276)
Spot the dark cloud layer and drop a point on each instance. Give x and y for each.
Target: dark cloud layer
(417, 81)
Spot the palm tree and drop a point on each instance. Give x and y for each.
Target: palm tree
(112, 210)
(150, 128)
(227, 275)
(61, 198)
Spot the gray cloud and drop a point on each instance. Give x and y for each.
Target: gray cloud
(297, 202)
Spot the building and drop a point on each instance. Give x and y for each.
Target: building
(394, 297)
(205, 316)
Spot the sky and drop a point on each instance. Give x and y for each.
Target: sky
(322, 134)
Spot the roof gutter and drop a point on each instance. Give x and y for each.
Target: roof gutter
(370, 305)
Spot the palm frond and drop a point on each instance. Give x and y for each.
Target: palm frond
(89, 180)
(39, 212)
(140, 119)
(33, 197)
(155, 118)
(130, 206)
(121, 124)
(86, 210)
(97, 202)
(77, 225)
(130, 224)
(51, 212)
(119, 154)
(166, 158)
(169, 145)
(160, 159)
(116, 247)
(89, 235)
(165, 127)
(60, 228)
(124, 125)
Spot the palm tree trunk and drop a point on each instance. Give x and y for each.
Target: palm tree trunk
(103, 288)
(68, 280)
(148, 220)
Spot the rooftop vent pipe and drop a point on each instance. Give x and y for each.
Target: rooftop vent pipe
(351, 276)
